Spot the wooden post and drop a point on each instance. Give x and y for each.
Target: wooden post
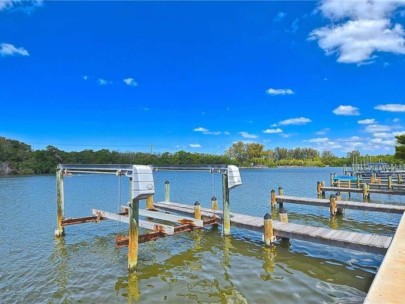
(133, 234)
(338, 183)
(214, 203)
(390, 182)
(167, 191)
(60, 204)
(332, 204)
(349, 184)
(318, 188)
(365, 191)
(282, 213)
(149, 203)
(338, 196)
(358, 181)
(322, 186)
(197, 210)
(226, 212)
(273, 198)
(399, 178)
(280, 191)
(331, 179)
(268, 230)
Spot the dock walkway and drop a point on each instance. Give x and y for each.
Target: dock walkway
(388, 208)
(389, 282)
(339, 238)
(358, 190)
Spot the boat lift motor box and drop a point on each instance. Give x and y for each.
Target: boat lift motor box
(143, 185)
(234, 178)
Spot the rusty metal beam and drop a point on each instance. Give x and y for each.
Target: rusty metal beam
(87, 219)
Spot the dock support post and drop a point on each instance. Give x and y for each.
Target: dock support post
(358, 181)
(338, 196)
(365, 191)
(338, 183)
(280, 191)
(214, 203)
(318, 188)
(226, 212)
(60, 231)
(323, 191)
(331, 180)
(273, 198)
(149, 203)
(399, 178)
(268, 230)
(282, 213)
(390, 182)
(133, 234)
(197, 210)
(167, 191)
(332, 204)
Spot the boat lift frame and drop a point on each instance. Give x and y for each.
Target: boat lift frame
(130, 214)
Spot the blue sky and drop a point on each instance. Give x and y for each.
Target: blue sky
(198, 76)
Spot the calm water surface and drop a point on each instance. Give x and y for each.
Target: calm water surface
(196, 267)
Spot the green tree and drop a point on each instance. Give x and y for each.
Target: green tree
(400, 147)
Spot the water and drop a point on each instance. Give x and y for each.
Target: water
(196, 267)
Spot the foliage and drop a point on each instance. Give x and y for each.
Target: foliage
(19, 158)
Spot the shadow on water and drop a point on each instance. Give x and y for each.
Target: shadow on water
(203, 266)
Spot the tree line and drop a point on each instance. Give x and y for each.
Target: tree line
(19, 158)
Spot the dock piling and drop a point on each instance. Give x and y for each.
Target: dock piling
(133, 234)
(323, 191)
(197, 210)
(282, 213)
(390, 182)
(332, 204)
(60, 231)
(273, 199)
(268, 230)
(280, 191)
(318, 187)
(149, 203)
(167, 191)
(214, 203)
(226, 210)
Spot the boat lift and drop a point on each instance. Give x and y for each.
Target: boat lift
(142, 187)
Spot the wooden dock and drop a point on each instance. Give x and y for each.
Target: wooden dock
(358, 190)
(352, 240)
(389, 281)
(388, 208)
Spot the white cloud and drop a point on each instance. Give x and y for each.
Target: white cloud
(279, 17)
(377, 128)
(103, 82)
(195, 145)
(227, 133)
(322, 132)
(130, 82)
(85, 77)
(274, 92)
(24, 5)
(294, 121)
(368, 121)
(7, 49)
(383, 135)
(247, 135)
(346, 111)
(273, 131)
(391, 107)
(396, 120)
(318, 140)
(206, 131)
(368, 30)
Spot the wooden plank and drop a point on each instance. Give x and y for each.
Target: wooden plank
(388, 284)
(168, 217)
(388, 208)
(357, 190)
(144, 224)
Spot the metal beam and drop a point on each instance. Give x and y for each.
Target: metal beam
(144, 224)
